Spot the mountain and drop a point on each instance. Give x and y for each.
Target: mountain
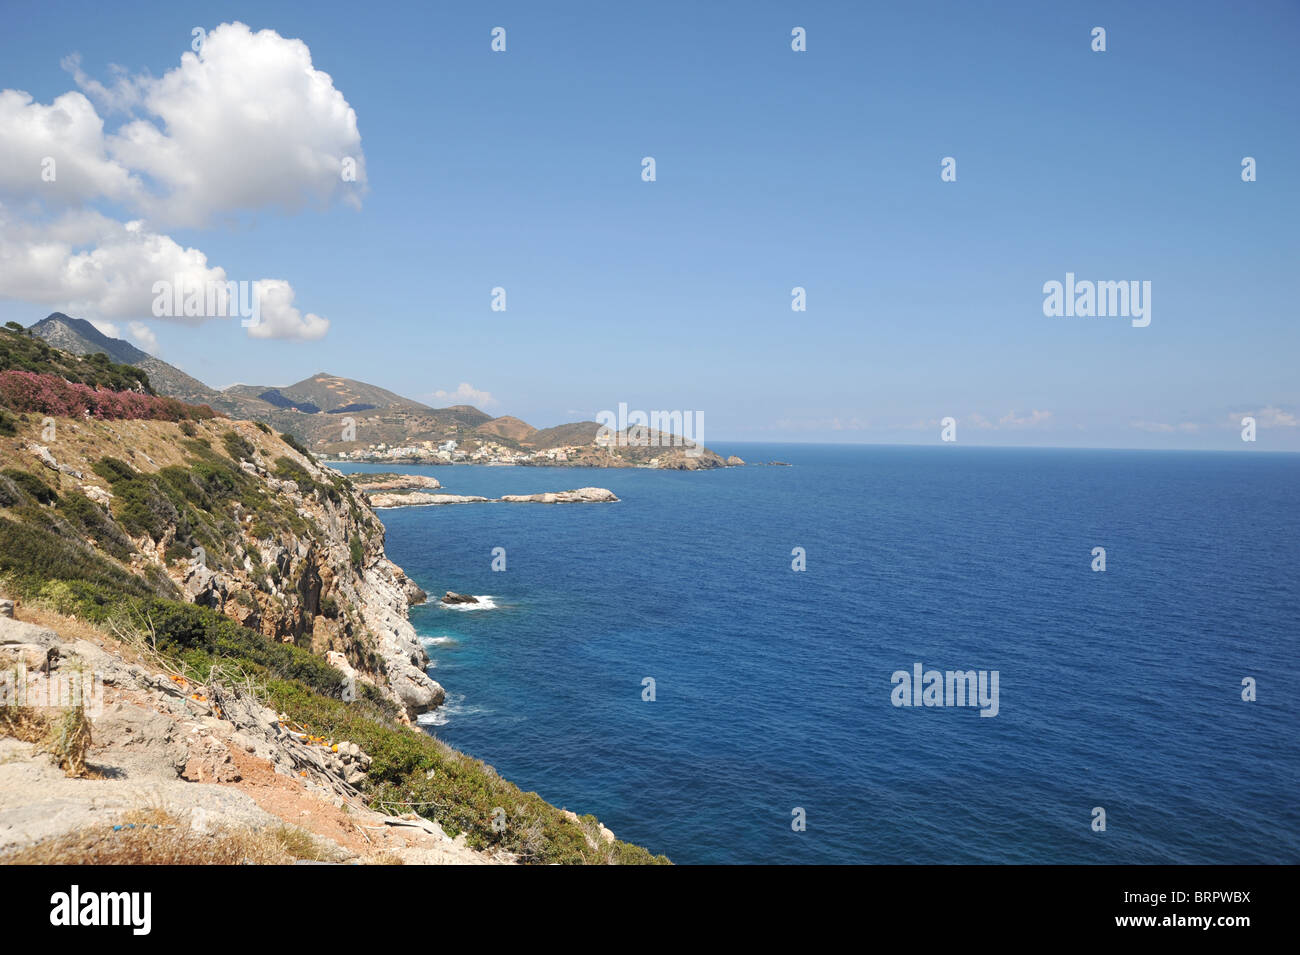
(565, 435)
(508, 427)
(330, 393)
(332, 414)
(78, 337)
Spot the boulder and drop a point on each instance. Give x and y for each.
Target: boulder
(451, 597)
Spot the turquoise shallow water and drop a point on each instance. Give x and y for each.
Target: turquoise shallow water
(1119, 689)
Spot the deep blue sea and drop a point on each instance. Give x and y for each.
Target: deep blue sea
(1120, 689)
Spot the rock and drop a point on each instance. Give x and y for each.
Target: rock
(7, 608)
(18, 632)
(30, 655)
(395, 482)
(451, 597)
(416, 694)
(414, 594)
(97, 494)
(420, 499)
(209, 761)
(204, 587)
(583, 495)
(43, 455)
(735, 461)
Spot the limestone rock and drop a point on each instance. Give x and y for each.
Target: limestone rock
(582, 495)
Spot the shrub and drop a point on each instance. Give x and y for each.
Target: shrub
(113, 470)
(32, 555)
(298, 446)
(30, 484)
(50, 394)
(237, 446)
(95, 525)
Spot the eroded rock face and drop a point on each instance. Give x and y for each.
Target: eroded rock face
(384, 606)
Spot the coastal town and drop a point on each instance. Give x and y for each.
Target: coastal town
(493, 453)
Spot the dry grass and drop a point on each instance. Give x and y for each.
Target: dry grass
(156, 837)
(24, 723)
(69, 740)
(66, 735)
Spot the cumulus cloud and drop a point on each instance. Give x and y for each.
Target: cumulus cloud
(57, 153)
(245, 125)
(144, 337)
(279, 318)
(88, 264)
(248, 123)
(465, 394)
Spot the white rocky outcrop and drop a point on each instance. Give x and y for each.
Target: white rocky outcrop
(582, 495)
(383, 606)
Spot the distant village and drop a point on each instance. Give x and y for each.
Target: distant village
(450, 452)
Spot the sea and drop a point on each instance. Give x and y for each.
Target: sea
(712, 665)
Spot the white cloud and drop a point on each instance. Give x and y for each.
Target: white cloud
(1161, 427)
(1035, 417)
(465, 394)
(1267, 417)
(89, 265)
(247, 124)
(279, 319)
(144, 337)
(123, 96)
(56, 154)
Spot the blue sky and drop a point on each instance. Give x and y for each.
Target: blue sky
(775, 169)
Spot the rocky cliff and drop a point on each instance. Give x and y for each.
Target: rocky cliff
(230, 516)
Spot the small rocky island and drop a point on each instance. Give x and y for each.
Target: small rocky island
(582, 495)
(451, 597)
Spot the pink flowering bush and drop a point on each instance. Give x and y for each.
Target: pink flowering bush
(52, 395)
